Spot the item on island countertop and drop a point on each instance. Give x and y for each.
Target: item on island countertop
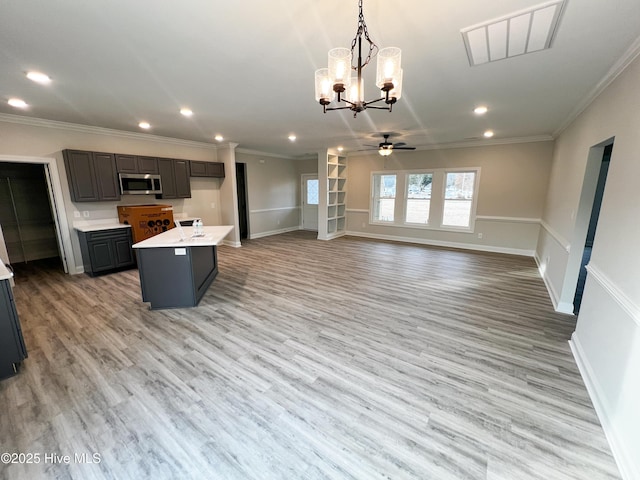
(146, 220)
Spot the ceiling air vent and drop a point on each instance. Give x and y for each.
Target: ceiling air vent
(525, 31)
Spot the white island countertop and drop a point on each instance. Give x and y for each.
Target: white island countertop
(5, 273)
(171, 238)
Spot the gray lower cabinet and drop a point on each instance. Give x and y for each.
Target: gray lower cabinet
(12, 347)
(92, 176)
(172, 280)
(106, 250)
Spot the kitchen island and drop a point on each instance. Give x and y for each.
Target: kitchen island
(176, 270)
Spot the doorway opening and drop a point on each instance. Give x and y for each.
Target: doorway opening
(27, 216)
(593, 223)
(241, 184)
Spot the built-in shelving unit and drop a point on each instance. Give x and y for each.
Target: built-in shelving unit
(333, 193)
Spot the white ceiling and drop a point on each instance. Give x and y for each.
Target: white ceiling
(246, 68)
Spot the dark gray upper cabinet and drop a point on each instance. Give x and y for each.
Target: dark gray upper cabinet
(183, 184)
(175, 178)
(207, 169)
(92, 176)
(136, 164)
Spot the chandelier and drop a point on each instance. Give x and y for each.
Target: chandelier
(337, 83)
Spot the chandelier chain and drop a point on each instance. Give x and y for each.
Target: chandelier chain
(362, 29)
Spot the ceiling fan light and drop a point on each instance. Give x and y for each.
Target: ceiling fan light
(339, 65)
(324, 88)
(385, 152)
(389, 66)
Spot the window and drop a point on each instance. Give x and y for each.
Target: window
(384, 197)
(418, 198)
(312, 191)
(436, 199)
(458, 199)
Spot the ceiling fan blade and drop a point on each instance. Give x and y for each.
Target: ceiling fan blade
(399, 144)
(404, 148)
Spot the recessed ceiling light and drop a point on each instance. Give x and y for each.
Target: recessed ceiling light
(481, 110)
(144, 125)
(340, 149)
(38, 77)
(18, 103)
(488, 134)
(186, 112)
(219, 138)
(292, 137)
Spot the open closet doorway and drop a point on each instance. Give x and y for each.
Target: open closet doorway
(50, 208)
(26, 214)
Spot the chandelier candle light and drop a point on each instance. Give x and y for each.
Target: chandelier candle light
(337, 78)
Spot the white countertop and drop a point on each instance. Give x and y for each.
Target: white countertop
(96, 225)
(171, 238)
(5, 273)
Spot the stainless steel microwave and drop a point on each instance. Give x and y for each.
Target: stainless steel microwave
(140, 184)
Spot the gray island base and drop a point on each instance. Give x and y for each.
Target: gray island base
(176, 272)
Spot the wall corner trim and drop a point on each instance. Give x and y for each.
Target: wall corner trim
(629, 468)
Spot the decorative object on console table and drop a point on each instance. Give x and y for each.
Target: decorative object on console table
(12, 348)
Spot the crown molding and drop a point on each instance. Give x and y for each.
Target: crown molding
(471, 143)
(75, 127)
(247, 151)
(623, 62)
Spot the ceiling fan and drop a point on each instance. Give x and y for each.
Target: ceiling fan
(386, 148)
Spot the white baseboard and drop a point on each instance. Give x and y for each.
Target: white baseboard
(439, 243)
(560, 307)
(331, 236)
(253, 236)
(627, 463)
(229, 243)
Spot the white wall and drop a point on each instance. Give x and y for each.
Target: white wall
(44, 139)
(274, 192)
(606, 342)
(512, 191)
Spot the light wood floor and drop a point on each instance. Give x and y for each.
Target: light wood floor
(348, 359)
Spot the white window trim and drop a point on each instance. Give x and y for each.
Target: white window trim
(435, 221)
(429, 224)
(373, 221)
